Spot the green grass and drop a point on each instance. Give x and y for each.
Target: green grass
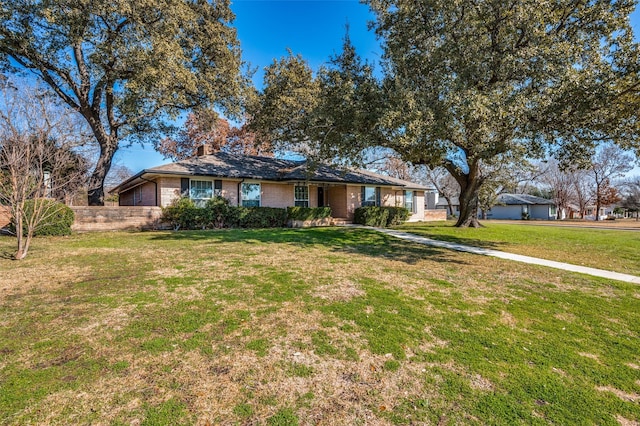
(332, 326)
(614, 250)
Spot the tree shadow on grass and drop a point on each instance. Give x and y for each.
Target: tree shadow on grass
(467, 241)
(338, 240)
(7, 255)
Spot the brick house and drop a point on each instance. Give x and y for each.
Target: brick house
(269, 182)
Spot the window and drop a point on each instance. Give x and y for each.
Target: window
(553, 211)
(408, 201)
(370, 196)
(200, 191)
(301, 196)
(251, 194)
(217, 188)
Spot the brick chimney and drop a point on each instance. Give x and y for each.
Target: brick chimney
(204, 149)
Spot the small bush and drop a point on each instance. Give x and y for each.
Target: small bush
(55, 218)
(381, 217)
(182, 213)
(219, 214)
(308, 213)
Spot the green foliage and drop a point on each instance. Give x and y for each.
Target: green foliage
(217, 213)
(308, 213)
(470, 86)
(261, 217)
(182, 213)
(339, 106)
(133, 69)
(48, 216)
(382, 217)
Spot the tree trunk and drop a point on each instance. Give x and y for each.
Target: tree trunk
(469, 207)
(108, 147)
(450, 205)
(469, 194)
(23, 245)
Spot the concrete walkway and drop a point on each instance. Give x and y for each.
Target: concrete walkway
(510, 256)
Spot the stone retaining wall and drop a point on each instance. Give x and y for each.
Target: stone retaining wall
(96, 218)
(439, 214)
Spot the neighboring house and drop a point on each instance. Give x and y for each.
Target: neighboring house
(521, 206)
(441, 204)
(605, 212)
(270, 182)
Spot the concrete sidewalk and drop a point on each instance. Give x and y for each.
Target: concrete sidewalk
(510, 256)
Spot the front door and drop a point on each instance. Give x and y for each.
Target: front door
(320, 196)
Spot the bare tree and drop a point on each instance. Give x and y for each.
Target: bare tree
(561, 185)
(610, 162)
(631, 196)
(37, 160)
(445, 184)
(582, 189)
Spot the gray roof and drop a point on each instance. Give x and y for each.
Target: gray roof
(225, 165)
(519, 199)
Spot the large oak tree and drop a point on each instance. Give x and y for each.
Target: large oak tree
(475, 80)
(128, 67)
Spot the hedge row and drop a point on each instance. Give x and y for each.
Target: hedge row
(308, 213)
(381, 217)
(217, 213)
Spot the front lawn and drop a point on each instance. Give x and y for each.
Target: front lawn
(613, 250)
(317, 326)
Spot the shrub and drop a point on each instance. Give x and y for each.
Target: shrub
(182, 213)
(55, 218)
(261, 217)
(219, 214)
(380, 216)
(308, 213)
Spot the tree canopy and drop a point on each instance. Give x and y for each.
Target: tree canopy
(129, 68)
(471, 85)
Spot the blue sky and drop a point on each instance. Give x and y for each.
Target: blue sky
(314, 29)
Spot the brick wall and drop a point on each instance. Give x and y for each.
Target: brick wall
(336, 199)
(5, 216)
(276, 195)
(116, 218)
(354, 200)
(168, 190)
(230, 191)
(439, 214)
(141, 195)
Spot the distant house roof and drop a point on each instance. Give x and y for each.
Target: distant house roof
(442, 202)
(519, 199)
(225, 165)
